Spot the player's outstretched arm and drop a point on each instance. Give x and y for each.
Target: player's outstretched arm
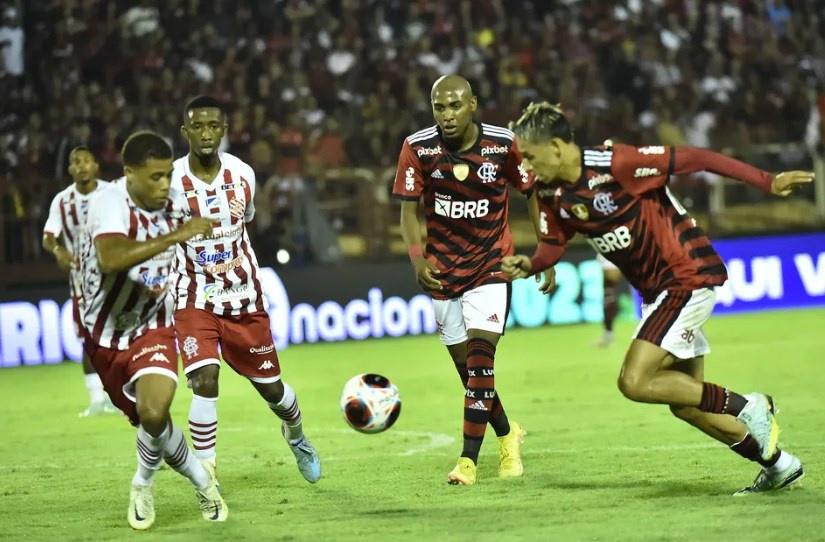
(549, 282)
(117, 252)
(64, 258)
(786, 182)
(425, 271)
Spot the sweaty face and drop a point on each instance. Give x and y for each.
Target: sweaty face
(453, 111)
(149, 183)
(204, 128)
(542, 158)
(82, 166)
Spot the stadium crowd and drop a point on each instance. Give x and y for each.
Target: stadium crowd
(321, 84)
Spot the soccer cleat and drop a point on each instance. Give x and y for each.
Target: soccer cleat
(210, 501)
(109, 407)
(767, 480)
(211, 466)
(605, 340)
(509, 452)
(464, 473)
(759, 419)
(309, 464)
(94, 409)
(141, 514)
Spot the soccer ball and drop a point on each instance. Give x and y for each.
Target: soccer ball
(370, 403)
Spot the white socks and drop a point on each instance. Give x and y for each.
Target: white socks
(95, 388)
(287, 409)
(203, 426)
(176, 453)
(149, 450)
(782, 463)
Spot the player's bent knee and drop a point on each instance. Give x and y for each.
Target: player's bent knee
(205, 381)
(153, 416)
(272, 392)
(632, 386)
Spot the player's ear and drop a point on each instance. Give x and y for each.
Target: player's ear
(128, 172)
(473, 104)
(183, 132)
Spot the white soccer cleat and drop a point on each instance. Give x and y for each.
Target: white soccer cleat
(109, 407)
(94, 409)
(141, 514)
(309, 463)
(768, 480)
(758, 418)
(210, 501)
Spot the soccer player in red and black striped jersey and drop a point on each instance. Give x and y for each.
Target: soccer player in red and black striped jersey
(462, 170)
(617, 196)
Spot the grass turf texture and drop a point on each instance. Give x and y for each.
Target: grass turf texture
(597, 467)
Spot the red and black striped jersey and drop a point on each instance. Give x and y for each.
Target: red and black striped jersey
(622, 204)
(466, 202)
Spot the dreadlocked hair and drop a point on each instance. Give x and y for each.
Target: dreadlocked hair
(542, 121)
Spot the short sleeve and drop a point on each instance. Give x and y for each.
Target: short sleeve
(54, 223)
(108, 214)
(515, 172)
(642, 169)
(552, 229)
(409, 181)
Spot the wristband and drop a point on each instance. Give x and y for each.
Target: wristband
(415, 251)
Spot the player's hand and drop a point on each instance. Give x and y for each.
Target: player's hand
(195, 226)
(784, 183)
(64, 258)
(549, 283)
(425, 273)
(518, 266)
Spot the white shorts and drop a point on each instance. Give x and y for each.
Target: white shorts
(483, 308)
(606, 264)
(674, 322)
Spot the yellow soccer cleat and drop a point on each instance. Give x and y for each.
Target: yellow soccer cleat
(509, 450)
(210, 501)
(141, 514)
(464, 473)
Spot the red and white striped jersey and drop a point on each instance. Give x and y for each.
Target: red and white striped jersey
(119, 307)
(67, 217)
(218, 273)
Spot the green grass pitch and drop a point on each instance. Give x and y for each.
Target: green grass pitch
(597, 467)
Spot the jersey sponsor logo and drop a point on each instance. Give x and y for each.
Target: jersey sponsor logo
(220, 233)
(231, 186)
(224, 267)
(159, 356)
(153, 281)
(460, 171)
(543, 227)
(205, 258)
(428, 151)
(580, 210)
(487, 172)
(190, 347)
(215, 294)
(262, 349)
(495, 149)
(409, 179)
(603, 202)
(611, 241)
(444, 206)
(652, 149)
(211, 201)
(437, 174)
(237, 207)
(597, 180)
(148, 349)
(525, 177)
(646, 172)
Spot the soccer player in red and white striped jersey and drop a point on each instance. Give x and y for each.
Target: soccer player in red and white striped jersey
(61, 237)
(126, 257)
(220, 307)
(462, 171)
(617, 196)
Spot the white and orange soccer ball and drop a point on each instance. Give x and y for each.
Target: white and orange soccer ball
(370, 403)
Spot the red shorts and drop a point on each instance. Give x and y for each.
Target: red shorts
(245, 341)
(152, 353)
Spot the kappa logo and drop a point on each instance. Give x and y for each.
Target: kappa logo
(159, 356)
(646, 172)
(495, 149)
(437, 174)
(266, 365)
(487, 172)
(428, 151)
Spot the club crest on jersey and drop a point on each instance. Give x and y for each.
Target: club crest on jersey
(603, 202)
(237, 207)
(190, 347)
(487, 172)
(580, 210)
(460, 171)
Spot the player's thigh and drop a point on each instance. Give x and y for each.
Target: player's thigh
(198, 334)
(152, 354)
(674, 322)
(485, 310)
(113, 375)
(449, 321)
(248, 347)
(458, 352)
(641, 361)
